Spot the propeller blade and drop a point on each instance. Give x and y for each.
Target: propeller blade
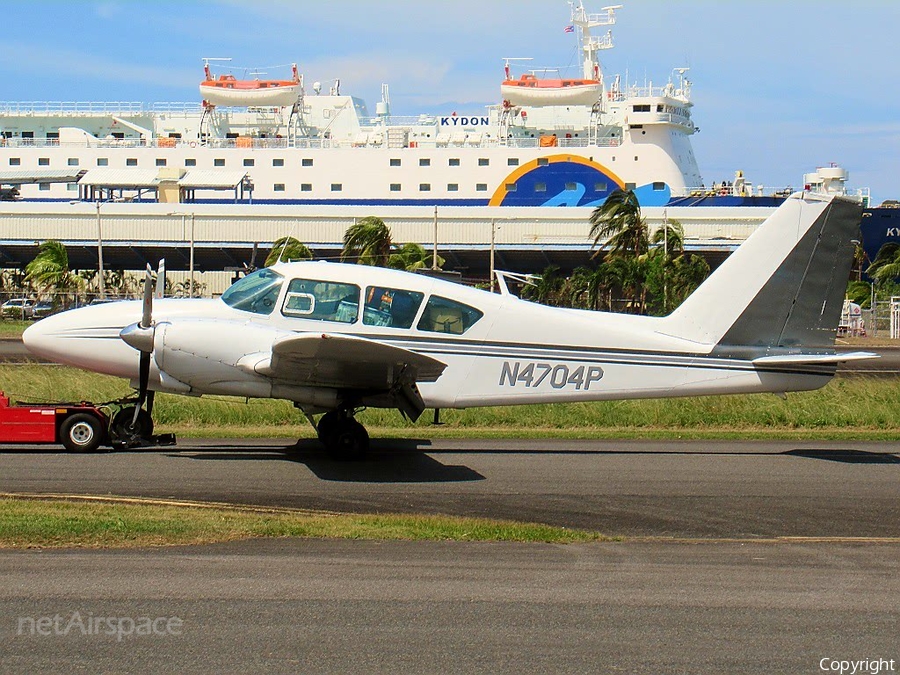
(143, 384)
(147, 314)
(161, 279)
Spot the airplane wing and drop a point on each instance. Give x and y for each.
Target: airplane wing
(349, 363)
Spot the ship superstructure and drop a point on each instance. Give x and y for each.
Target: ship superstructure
(554, 141)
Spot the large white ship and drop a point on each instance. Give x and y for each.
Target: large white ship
(553, 139)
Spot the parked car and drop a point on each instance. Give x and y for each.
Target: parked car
(41, 309)
(18, 308)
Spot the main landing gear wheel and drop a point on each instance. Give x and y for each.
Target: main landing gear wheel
(343, 437)
(124, 428)
(81, 432)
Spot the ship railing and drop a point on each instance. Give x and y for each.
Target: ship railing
(634, 91)
(563, 142)
(72, 108)
(749, 190)
(399, 121)
(725, 189)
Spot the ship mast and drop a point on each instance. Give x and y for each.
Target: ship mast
(590, 45)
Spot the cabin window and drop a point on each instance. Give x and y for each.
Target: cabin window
(43, 161)
(102, 161)
(424, 161)
(391, 307)
(160, 161)
(424, 187)
(512, 161)
(601, 187)
(337, 187)
(481, 187)
(305, 187)
(540, 187)
(277, 162)
(395, 161)
(279, 187)
(218, 162)
(131, 161)
(43, 187)
(630, 186)
(73, 161)
(443, 315)
(306, 162)
(454, 161)
(15, 161)
(571, 187)
(190, 162)
(322, 301)
(452, 187)
(249, 162)
(484, 161)
(543, 161)
(659, 186)
(511, 187)
(395, 187)
(256, 293)
(643, 107)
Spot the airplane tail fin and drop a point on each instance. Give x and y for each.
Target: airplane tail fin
(782, 291)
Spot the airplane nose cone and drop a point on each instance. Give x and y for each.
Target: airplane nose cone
(39, 340)
(85, 338)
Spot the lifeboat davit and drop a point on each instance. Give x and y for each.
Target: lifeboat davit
(533, 91)
(227, 90)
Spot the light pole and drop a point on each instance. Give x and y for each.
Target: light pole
(191, 291)
(102, 282)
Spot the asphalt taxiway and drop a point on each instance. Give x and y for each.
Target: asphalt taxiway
(678, 489)
(298, 606)
(737, 557)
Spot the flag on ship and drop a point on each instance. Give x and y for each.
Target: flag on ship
(570, 29)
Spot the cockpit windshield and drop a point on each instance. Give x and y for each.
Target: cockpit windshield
(256, 292)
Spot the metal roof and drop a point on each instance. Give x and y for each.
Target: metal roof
(121, 178)
(211, 179)
(149, 178)
(40, 176)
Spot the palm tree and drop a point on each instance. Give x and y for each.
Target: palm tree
(619, 224)
(886, 265)
(49, 271)
(545, 288)
(368, 242)
(287, 249)
(412, 257)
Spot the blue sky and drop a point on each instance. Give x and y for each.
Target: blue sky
(780, 87)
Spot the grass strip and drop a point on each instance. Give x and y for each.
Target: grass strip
(847, 408)
(65, 522)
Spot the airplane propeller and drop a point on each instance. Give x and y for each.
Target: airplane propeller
(140, 336)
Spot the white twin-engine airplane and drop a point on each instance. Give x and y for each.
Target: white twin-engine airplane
(336, 338)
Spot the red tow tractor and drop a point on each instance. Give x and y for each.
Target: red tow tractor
(80, 427)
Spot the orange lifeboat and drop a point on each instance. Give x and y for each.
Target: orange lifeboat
(534, 91)
(227, 90)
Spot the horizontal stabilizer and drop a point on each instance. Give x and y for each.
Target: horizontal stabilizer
(812, 359)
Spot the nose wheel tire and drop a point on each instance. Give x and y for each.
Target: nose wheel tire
(124, 428)
(81, 433)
